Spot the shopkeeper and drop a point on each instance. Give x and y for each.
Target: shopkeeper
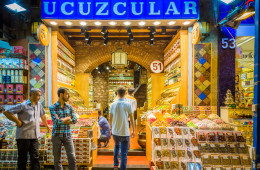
(28, 129)
(105, 130)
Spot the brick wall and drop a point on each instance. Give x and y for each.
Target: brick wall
(100, 88)
(141, 52)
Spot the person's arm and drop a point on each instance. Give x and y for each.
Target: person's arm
(110, 118)
(73, 117)
(130, 111)
(10, 114)
(57, 120)
(44, 119)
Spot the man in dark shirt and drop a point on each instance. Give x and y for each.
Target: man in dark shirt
(105, 130)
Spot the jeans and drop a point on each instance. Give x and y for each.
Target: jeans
(28, 145)
(70, 151)
(123, 142)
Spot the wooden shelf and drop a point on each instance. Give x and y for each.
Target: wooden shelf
(172, 60)
(65, 85)
(175, 85)
(66, 52)
(65, 43)
(64, 59)
(173, 51)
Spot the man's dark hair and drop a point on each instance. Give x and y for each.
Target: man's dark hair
(61, 90)
(99, 112)
(121, 91)
(131, 90)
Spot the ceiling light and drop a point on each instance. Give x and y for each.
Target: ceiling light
(131, 37)
(163, 30)
(151, 37)
(151, 42)
(96, 68)
(103, 31)
(227, 1)
(83, 29)
(153, 31)
(15, 7)
(107, 68)
(141, 23)
(127, 23)
(157, 23)
(97, 23)
(171, 23)
(129, 41)
(128, 30)
(68, 23)
(86, 35)
(99, 72)
(106, 35)
(53, 23)
(83, 23)
(112, 23)
(89, 41)
(186, 23)
(106, 41)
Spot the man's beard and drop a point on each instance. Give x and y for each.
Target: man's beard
(65, 100)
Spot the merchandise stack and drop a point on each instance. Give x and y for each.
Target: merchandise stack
(13, 75)
(175, 148)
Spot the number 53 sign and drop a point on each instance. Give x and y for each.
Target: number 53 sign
(156, 66)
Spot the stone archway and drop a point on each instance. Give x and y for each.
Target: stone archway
(141, 52)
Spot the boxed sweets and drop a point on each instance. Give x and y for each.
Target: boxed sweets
(216, 160)
(225, 160)
(235, 160)
(206, 159)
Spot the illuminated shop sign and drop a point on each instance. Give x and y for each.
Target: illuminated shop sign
(120, 9)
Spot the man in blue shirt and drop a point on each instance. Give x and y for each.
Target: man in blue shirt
(120, 111)
(27, 121)
(105, 130)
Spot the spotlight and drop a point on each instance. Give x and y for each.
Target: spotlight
(99, 72)
(106, 35)
(107, 68)
(68, 23)
(106, 41)
(112, 23)
(157, 23)
(153, 31)
(151, 42)
(97, 23)
(128, 30)
(83, 23)
(86, 35)
(129, 41)
(89, 41)
(163, 30)
(15, 7)
(83, 28)
(171, 22)
(151, 37)
(53, 23)
(186, 23)
(142, 23)
(96, 68)
(103, 31)
(131, 37)
(127, 23)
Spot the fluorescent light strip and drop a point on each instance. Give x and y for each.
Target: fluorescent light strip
(15, 7)
(227, 1)
(249, 39)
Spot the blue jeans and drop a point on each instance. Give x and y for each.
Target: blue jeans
(122, 141)
(70, 151)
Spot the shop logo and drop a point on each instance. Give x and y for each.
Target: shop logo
(123, 9)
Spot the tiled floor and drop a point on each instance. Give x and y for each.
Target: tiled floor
(133, 142)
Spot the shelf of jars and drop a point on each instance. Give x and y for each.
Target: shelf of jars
(173, 52)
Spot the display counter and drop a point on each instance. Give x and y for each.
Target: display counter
(194, 140)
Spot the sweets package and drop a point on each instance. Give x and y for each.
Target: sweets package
(166, 154)
(217, 167)
(167, 165)
(194, 143)
(203, 147)
(235, 160)
(179, 142)
(242, 148)
(157, 143)
(230, 137)
(174, 155)
(225, 159)
(187, 144)
(212, 137)
(178, 132)
(232, 148)
(185, 132)
(207, 167)
(159, 165)
(163, 132)
(245, 160)
(172, 144)
(239, 137)
(212, 148)
(156, 132)
(206, 159)
(170, 132)
(174, 165)
(164, 143)
(222, 148)
(189, 156)
(216, 160)
(202, 136)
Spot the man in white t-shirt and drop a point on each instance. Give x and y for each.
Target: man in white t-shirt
(120, 111)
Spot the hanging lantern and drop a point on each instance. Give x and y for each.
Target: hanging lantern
(119, 58)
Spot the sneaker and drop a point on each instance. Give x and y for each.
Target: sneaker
(116, 168)
(105, 145)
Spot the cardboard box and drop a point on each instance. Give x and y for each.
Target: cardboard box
(10, 99)
(2, 89)
(9, 88)
(2, 99)
(19, 99)
(19, 88)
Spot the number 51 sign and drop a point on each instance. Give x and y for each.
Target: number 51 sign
(156, 66)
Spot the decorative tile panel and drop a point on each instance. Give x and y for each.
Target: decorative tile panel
(37, 69)
(202, 75)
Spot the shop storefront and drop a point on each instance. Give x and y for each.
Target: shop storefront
(187, 117)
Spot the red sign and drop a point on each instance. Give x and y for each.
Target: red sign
(156, 66)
